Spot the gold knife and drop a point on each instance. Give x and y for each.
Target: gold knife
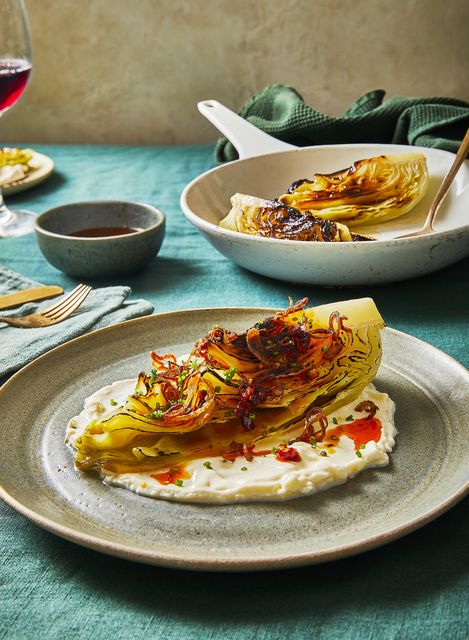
(29, 295)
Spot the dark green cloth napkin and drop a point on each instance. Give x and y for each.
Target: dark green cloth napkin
(281, 111)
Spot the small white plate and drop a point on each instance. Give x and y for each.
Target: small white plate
(41, 168)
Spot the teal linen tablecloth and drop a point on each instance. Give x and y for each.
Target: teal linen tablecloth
(415, 587)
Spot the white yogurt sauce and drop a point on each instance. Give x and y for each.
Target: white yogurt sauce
(265, 477)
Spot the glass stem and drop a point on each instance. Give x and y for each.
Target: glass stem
(5, 214)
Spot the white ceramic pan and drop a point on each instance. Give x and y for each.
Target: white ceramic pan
(267, 167)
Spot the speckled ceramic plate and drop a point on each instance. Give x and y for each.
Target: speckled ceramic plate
(42, 167)
(428, 472)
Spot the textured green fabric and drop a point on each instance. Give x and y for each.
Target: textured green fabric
(102, 307)
(428, 122)
(413, 588)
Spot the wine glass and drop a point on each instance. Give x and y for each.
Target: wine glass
(15, 67)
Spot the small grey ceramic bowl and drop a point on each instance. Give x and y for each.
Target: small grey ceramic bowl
(104, 256)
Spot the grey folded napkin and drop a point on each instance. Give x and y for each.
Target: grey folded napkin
(101, 308)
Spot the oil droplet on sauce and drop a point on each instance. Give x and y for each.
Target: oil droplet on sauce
(169, 477)
(360, 431)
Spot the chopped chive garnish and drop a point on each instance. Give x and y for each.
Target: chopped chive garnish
(113, 402)
(154, 415)
(325, 349)
(323, 453)
(217, 389)
(230, 373)
(358, 454)
(244, 468)
(182, 376)
(208, 465)
(312, 442)
(349, 418)
(179, 483)
(362, 446)
(153, 375)
(334, 420)
(274, 449)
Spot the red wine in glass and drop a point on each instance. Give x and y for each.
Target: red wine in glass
(14, 75)
(15, 67)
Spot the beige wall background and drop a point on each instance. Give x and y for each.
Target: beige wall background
(132, 71)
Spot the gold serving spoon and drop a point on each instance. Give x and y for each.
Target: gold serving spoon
(445, 185)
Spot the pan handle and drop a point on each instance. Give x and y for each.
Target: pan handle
(248, 140)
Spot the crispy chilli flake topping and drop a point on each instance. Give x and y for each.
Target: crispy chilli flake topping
(315, 426)
(369, 406)
(287, 454)
(252, 394)
(280, 346)
(338, 320)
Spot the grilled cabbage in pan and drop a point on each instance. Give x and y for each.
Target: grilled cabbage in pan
(233, 390)
(370, 191)
(324, 209)
(273, 219)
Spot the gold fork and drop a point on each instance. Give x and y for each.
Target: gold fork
(444, 187)
(58, 312)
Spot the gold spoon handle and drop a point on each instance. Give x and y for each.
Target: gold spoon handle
(445, 185)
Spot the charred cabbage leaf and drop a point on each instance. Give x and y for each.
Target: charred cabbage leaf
(369, 192)
(274, 219)
(234, 390)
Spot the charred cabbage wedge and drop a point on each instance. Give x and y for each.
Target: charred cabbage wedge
(235, 390)
(369, 192)
(273, 219)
